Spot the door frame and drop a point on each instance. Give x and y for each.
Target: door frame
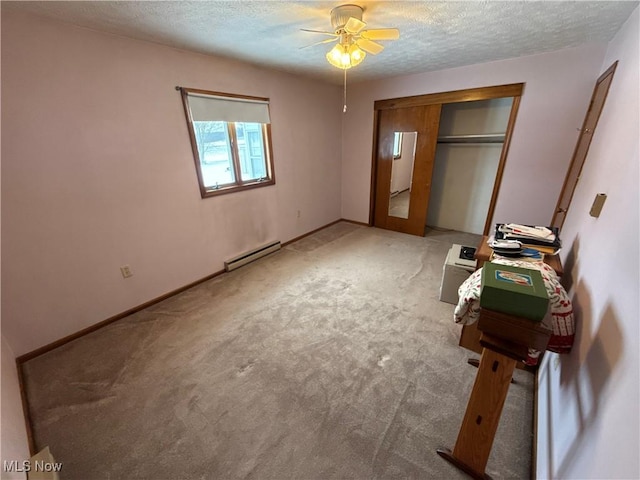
(585, 135)
(513, 90)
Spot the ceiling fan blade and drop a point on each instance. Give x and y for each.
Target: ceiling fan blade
(320, 43)
(319, 31)
(381, 34)
(354, 25)
(369, 46)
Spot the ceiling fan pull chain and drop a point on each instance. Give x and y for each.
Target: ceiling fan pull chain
(344, 106)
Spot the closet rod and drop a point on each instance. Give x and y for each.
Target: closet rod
(486, 138)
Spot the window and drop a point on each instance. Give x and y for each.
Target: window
(397, 144)
(231, 140)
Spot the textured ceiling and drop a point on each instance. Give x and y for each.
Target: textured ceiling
(433, 35)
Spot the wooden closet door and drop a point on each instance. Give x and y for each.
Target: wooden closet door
(424, 120)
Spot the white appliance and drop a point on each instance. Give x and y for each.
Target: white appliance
(454, 272)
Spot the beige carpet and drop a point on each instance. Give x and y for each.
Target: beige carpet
(332, 358)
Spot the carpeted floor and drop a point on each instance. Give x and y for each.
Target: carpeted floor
(332, 358)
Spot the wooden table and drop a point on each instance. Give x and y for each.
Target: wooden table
(470, 336)
(503, 342)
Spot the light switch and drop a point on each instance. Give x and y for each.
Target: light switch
(598, 203)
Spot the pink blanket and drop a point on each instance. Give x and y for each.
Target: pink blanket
(560, 321)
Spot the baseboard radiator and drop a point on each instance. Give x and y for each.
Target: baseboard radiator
(251, 256)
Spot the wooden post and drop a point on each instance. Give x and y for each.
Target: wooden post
(482, 416)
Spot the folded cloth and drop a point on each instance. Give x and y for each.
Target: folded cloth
(467, 310)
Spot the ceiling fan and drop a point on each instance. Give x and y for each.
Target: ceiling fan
(352, 37)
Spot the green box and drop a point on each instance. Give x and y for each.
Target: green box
(513, 290)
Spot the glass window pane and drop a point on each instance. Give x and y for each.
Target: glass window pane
(397, 144)
(216, 162)
(251, 151)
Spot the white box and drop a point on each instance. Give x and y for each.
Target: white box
(454, 272)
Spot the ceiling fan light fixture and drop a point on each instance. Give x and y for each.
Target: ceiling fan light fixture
(356, 54)
(345, 56)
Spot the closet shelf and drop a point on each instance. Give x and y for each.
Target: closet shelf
(484, 138)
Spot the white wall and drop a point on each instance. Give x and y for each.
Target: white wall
(557, 91)
(461, 187)
(97, 172)
(14, 433)
(588, 420)
(464, 174)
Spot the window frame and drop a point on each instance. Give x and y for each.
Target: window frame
(238, 184)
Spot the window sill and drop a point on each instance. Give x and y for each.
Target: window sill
(214, 192)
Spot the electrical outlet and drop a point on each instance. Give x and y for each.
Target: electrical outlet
(126, 271)
(298, 213)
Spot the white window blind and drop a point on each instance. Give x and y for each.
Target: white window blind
(207, 108)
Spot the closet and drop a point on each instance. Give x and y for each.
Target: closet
(470, 140)
(438, 158)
